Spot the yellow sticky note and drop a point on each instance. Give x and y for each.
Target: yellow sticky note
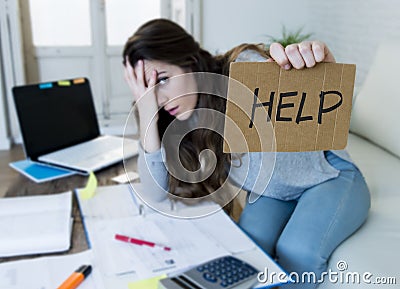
(151, 283)
(91, 186)
(64, 83)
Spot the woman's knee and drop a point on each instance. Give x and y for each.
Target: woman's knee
(299, 257)
(264, 221)
(256, 230)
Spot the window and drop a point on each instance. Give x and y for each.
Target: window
(60, 23)
(123, 17)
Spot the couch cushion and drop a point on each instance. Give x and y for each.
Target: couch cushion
(376, 107)
(374, 247)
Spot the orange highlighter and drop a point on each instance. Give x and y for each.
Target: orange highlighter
(76, 278)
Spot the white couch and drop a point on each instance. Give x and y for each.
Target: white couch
(374, 145)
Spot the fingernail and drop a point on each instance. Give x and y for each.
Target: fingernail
(287, 66)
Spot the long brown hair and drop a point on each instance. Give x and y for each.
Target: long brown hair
(164, 40)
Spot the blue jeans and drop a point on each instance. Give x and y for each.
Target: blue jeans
(302, 234)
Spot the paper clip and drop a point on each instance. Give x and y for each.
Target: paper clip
(141, 210)
(173, 205)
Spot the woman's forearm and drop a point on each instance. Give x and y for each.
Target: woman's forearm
(149, 136)
(153, 175)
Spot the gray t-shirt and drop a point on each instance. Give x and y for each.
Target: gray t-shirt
(284, 176)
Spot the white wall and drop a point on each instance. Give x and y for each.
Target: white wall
(229, 23)
(353, 29)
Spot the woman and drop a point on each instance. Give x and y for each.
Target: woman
(314, 200)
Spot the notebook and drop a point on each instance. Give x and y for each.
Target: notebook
(59, 127)
(35, 224)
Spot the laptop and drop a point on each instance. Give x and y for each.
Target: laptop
(59, 127)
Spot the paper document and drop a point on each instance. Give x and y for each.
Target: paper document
(188, 245)
(109, 202)
(119, 201)
(48, 272)
(35, 224)
(225, 232)
(172, 207)
(126, 177)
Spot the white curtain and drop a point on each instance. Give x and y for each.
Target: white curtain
(11, 69)
(4, 139)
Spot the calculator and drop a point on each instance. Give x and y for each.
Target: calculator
(225, 272)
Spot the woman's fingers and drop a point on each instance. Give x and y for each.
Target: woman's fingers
(129, 73)
(153, 78)
(140, 75)
(294, 56)
(300, 55)
(322, 52)
(131, 77)
(277, 52)
(136, 79)
(307, 53)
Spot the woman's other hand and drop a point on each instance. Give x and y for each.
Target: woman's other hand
(300, 55)
(146, 103)
(142, 90)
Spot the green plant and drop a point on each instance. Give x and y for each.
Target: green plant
(288, 37)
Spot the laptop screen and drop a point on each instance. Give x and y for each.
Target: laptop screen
(55, 115)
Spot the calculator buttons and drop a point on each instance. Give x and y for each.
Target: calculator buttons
(210, 277)
(225, 272)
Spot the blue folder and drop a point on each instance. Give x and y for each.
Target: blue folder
(38, 172)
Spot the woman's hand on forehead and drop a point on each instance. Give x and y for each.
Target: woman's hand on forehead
(143, 91)
(136, 78)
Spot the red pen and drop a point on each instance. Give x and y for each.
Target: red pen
(139, 242)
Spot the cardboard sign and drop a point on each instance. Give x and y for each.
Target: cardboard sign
(288, 110)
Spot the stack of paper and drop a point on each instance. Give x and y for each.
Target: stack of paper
(48, 272)
(35, 224)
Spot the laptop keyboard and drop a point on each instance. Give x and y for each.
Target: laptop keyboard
(104, 149)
